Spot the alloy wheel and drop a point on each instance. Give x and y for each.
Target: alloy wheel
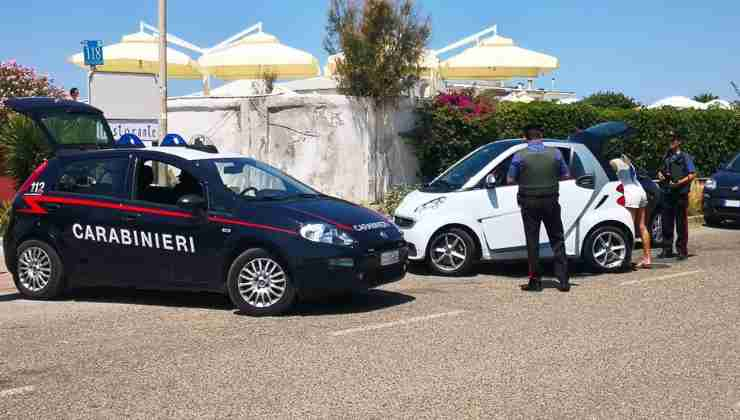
(262, 282)
(449, 252)
(609, 250)
(34, 269)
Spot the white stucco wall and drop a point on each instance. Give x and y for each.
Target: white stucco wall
(327, 141)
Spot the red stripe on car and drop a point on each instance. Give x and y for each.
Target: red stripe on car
(252, 225)
(324, 219)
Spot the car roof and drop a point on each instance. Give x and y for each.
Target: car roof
(181, 152)
(38, 103)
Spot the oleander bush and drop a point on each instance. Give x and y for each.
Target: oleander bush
(392, 199)
(4, 217)
(22, 147)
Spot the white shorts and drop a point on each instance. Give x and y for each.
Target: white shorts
(635, 197)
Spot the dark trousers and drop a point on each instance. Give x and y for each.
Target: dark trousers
(546, 210)
(676, 214)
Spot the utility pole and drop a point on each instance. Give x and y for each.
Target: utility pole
(162, 68)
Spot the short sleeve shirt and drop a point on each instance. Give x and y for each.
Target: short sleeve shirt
(536, 146)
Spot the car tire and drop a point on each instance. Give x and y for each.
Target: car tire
(608, 249)
(259, 284)
(452, 252)
(39, 272)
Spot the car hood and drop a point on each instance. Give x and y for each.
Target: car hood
(727, 178)
(415, 199)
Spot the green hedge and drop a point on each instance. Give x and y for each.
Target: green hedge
(445, 133)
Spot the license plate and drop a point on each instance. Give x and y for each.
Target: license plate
(732, 203)
(390, 258)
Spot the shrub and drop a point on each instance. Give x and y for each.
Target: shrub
(22, 147)
(609, 99)
(444, 134)
(4, 217)
(20, 81)
(392, 199)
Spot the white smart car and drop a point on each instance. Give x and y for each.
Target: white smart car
(469, 213)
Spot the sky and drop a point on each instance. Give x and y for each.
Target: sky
(648, 49)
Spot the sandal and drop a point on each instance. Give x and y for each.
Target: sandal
(643, 264)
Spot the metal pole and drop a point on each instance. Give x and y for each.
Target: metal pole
(163, 68)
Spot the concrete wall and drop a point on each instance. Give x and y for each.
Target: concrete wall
(339, 145)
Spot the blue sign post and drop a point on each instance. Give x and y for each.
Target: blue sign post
(93, 52)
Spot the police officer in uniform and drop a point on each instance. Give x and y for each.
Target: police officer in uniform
(538, 171)
(676, 175)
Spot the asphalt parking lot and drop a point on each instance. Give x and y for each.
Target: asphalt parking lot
(659, 343)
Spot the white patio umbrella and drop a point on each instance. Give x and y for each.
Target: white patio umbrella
(139, 53)
(254, 55)
(497, 58)
(678, 102)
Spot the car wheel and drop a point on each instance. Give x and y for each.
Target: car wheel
(39, 270)
(452, 252)
(259, 284)
(607, 249)
(656, 229)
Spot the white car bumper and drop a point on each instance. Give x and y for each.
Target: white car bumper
(417, 237)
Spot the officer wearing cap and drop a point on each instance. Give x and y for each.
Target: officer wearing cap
(538, 171)
(676, 174)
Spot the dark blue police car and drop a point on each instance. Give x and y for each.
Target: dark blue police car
(180, 217)
(722, 194)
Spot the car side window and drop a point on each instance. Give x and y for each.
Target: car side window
(102, 177)
(164, 183)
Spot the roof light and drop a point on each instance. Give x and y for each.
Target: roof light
(130, 140)
(173, 140)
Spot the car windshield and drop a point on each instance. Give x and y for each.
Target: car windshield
(459, 174)
(75, 129)
(734, 166)
(255, 180)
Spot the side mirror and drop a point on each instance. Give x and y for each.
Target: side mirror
(490, 182)
(193, 203)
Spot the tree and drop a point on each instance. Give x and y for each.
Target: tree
(268, 78)
(609, 99)
(705, 97)
(382, 42)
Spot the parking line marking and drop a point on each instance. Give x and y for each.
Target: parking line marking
(17, 391)
(666, 277)
(395, 323)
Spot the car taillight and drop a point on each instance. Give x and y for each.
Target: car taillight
(35, 175)
(621, 200)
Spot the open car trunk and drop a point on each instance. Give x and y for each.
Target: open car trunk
(66, 124)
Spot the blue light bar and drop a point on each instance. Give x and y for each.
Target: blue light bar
(130, 140)
(173, 140)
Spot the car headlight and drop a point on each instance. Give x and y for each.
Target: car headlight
(326, 234)
(431, 205)
(710, 185)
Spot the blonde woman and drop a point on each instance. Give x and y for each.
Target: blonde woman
(636, 202)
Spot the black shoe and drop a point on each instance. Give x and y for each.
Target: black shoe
(682, 257)
(564, 287)
(534, 285)
(666, 253)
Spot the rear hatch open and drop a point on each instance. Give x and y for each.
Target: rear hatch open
(66, 124)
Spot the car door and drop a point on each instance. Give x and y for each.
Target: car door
(176, 248)
(83, 209)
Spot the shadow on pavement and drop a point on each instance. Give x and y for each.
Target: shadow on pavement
(10, 297)
(129, 296)
(360, 302)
